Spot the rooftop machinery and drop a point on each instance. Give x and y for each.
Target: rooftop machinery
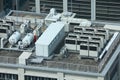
(20, 37)
(25, 26)
(14, 38)
(27, 40)
(87, 41)
(53, 16)
(6, 28)
(49, 40)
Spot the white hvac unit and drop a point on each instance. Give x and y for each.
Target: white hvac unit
(84, 52)
(14, 38)
(98, 39)
(96, 42)
(27, 40)
(105, 31)
(93, 51)
(48, 41)
(102, 35)
(70, 43)
(81, 41)
(78, 29)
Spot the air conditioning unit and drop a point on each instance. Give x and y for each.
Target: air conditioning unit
(93, 50)
(70, 43)
(102, 35)
(95, 42)
(84, 52)
(99, 39)
(105, 31)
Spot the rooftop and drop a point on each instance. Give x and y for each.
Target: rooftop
(62, 58)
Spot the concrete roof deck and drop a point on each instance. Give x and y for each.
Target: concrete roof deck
(27, 14)
(9, 56)
(10, 53)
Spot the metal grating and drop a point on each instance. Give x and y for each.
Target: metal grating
(81, 7)
(46, 5)
(108, 10)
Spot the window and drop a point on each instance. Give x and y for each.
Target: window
(4, 76)
(38, 78)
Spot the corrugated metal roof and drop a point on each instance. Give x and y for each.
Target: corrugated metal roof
(50, 33)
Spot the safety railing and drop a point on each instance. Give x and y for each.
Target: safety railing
(72, 66)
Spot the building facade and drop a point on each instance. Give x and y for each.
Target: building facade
(107, 10)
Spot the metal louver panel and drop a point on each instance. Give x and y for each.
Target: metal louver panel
(81, 7)
(108, 10)
(46, 5)
(31, 4)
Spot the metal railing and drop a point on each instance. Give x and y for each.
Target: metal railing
(72, 66)
(109, 53)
